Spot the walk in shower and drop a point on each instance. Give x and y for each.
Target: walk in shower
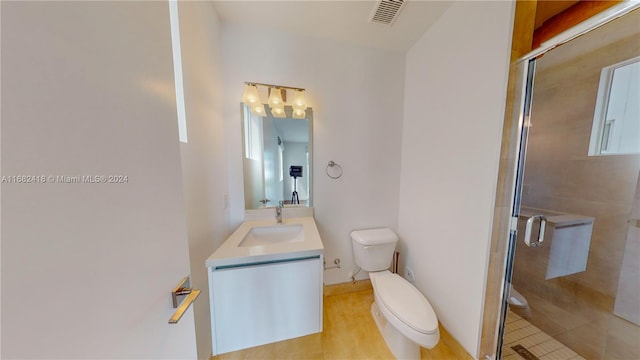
(573, 265)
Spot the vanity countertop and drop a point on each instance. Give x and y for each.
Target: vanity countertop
(231, 253)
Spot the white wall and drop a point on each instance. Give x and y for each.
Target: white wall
(455, 88)
(356, 94)
(87, 268)
(204, 165)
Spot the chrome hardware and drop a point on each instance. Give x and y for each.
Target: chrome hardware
(264, 201)
(336, 266)
(181, 290)
(338, 170)
(528, 229)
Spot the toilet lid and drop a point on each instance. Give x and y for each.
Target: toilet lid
(407, 303)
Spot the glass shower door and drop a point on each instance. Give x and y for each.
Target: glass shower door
(574, 290)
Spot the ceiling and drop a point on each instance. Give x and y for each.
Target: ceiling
(346, 21)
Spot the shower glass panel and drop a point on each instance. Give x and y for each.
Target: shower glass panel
(575, 285)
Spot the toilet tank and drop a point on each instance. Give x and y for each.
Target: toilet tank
(373, 249)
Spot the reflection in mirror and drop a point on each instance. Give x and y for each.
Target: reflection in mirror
(272, 146)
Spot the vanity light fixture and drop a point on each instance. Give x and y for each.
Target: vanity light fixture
(275, 97)
(278, 111)
(277, 100)
(298, 102)
(258, 109)
(251, 96)
(299, 114)
(299, 105)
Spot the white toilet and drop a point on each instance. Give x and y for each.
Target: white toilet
(518, 303)
(403, 315)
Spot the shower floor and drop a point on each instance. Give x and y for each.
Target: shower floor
(583, 324)
(537, 344)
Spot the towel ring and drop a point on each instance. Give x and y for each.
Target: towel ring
(333, 164)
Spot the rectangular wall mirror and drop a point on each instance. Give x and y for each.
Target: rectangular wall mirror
(274, 149)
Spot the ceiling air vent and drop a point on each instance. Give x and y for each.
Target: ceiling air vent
(386, 11)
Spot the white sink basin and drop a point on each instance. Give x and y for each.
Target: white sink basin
(275, 234)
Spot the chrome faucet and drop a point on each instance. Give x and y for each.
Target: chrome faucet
(279, 212)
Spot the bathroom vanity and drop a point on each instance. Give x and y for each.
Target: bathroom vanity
(265, 283)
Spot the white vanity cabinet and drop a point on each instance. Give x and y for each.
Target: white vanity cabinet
(262, 302)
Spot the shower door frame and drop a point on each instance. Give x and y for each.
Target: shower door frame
(509, 187)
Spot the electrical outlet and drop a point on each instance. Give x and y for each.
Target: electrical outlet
(408, 274)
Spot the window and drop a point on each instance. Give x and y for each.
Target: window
(281, 161)
(177, 70)
(252, 135)
(616, 119)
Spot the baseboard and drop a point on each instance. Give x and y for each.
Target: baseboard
(348, 287)
(453, 344)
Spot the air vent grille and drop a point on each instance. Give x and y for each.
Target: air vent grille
(386, 11)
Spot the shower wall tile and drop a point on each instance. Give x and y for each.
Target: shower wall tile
(627, 303)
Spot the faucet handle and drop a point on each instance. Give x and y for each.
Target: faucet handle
(281, 203)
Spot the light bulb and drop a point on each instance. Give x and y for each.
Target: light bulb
(299, 102)
(278, 111)
(275, 97)
(258, 109)
(250, 95)
(299, 114)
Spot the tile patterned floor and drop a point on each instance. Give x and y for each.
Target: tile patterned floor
(350, 333)
(583, 324)
(520, 332)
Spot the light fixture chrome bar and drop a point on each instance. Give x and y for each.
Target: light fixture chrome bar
(273, 86)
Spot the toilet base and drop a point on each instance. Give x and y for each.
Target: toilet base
(401, 346)
(518, 304)
(523, 312)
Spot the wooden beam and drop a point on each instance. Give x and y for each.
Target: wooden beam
(569, 18)
(524, 21)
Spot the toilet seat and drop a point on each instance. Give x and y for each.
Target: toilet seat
(405, 308)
